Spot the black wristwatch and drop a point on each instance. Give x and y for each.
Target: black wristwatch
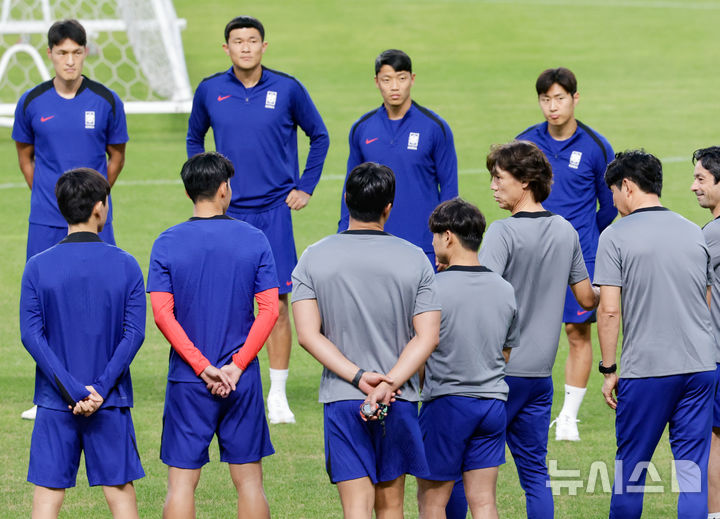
(609, 369)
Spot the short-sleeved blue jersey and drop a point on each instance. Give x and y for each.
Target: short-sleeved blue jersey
(213, 267)
(419, 148)
(256, 128)
(82, 318)
(578, 165)
(67, 134)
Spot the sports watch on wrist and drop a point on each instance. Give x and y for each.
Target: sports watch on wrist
(606, 370)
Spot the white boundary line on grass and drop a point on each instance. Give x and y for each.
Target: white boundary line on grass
(652, 4)
(167, 182)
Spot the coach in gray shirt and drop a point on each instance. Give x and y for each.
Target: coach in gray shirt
(656, 263)
(706, 186)
(365, 300)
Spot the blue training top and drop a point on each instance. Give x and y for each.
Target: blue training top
(213, 267)
(578, 165)
(419, 148)
(67, 134)
(82, 318)
(256, 128)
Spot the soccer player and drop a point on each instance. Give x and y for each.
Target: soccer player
(67, 122)
(365, 300)
(82, 318)
(254, 113)
(203, 276)
(578, 156)
(706, 186)
(412, 141)
(463, 414)
(658, 264)
(539, 253)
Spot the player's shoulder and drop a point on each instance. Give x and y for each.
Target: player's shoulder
(278, 76)
(102, 92)
(34, 93)
(362, 120)
(435, 120)
(597, 141)
(712, 229)
(531, 132)
(213, 78)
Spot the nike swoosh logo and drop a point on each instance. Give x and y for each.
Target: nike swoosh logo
(288, 283)
(223, 98)
(582, 312)
(44, 119)
(368, 141)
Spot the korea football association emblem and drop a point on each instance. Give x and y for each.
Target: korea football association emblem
(270, 99)
(413, 140)
(89, 120)
(575, 157)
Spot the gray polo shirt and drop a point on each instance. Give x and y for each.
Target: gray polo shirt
(712, 238)
(662, 264)
(368, 285)
(478, 320)
(539, 254)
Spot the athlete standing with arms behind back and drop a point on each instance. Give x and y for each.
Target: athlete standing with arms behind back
(254, 113)
(578, 156)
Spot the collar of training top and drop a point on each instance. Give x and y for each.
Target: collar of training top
(533, 214)
(467, 268)
(366, 231)
(81, 237)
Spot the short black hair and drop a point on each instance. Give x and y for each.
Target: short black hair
(644, 169)
(77, 191)
(241, 22)
(526, 163)
(561, 75)
(369, 188)
(461, 218)
(66, 29)
(709, 158)
(204, 173)
(397, 59)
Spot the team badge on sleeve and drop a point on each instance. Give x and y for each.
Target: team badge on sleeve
(413, 140)
(89, 119)
(575, 157)
(270, 99)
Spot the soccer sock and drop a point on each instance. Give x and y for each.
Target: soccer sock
(714, 515)
(573, 398)
(278, 378)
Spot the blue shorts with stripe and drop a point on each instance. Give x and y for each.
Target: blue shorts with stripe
(106, 437)
(573, 312)
(382, 451)
(42, 237)
(193, 416)
(462, 433)
(276, 223)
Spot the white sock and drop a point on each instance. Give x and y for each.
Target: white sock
(573, 398)
(278, 377)
(714, 515)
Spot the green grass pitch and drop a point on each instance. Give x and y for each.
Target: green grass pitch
(648, 77)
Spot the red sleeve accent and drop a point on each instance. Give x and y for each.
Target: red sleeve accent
(163, 306)
(268, 310)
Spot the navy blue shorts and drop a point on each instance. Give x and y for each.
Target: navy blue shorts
(573, 312)
(42, 237)
(106, 437)
(193, 416)
(356, 449)
(276, 223)
(462, 433)
(716, 400)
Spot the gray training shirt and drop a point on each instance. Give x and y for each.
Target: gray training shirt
(712, 238)
(478, 321)
(539, 254)
(368, 285)
(662, 264)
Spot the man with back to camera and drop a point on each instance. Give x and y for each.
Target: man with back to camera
(365, 300)
(578, 155)
(254, 113)
(412, 141)
(82, 318)
(67, 122)
(657, 263)
(202, 299)
(706, 186)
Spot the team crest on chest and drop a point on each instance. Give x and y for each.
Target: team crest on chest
(270, 99)
(90, 120)
(413, 140)
(575, 157)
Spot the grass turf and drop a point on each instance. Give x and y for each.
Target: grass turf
(646, 70)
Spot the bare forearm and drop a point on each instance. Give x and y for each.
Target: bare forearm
(328, 355)
(608, 333)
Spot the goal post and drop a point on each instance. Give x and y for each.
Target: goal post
(134, 48)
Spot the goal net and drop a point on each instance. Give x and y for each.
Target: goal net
(134, 48)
